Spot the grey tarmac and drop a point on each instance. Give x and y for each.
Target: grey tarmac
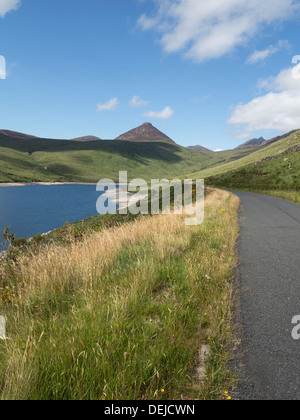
(269, 290)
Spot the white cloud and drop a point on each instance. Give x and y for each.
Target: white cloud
(268, 52)
(211, 29)
(3, 73)
(8, 5)
(165, 114)
(109, 106)
(137, 102)
(278, 109)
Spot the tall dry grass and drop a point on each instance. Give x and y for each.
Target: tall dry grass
(123, 313)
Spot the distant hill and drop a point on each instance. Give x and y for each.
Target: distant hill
(16, 134)
(86, 138)
(200, 149)
(275, 139)
(49, 160)
(261, 142)
(274, 148)
(24, 159)
(252, 143)
(145, 132)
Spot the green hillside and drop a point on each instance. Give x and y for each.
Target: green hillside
(47, 160)
(280, 173)
(250, 158)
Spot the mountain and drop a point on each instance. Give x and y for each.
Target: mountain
(16, 134)
(262, 142)
(274, 148)
(86, 138)
(29, 159)
(252, 143)
(145, 132)
(200, 149)
(275, 139)
(49, 160)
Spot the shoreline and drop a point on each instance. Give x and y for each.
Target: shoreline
(123, 204)
(25, 184)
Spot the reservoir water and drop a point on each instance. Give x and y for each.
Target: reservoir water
(34, 209)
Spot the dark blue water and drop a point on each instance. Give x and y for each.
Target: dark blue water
(35, 209)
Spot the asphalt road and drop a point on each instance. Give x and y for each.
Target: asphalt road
(269, 279)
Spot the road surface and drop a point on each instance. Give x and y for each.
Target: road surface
(269, 278)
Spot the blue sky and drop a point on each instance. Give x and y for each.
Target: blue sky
(212, 73)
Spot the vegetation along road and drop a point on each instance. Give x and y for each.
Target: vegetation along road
(269, 296)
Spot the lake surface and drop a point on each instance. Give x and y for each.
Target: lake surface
(34, 209)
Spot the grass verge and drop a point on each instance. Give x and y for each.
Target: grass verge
(124, 313)
(293, 196)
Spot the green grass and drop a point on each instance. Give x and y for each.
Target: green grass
(25, 160)
(279, 177)
(276, 174)
(251, 158)
(123, 313)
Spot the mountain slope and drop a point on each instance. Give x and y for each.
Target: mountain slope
(46, 160)
(86, 138)
(276, 139)
(252, 143)
(145, 132)
(34, 160)
(263, 152)
(262, 142)
(16, 134)
(278, 173)
(200, 149)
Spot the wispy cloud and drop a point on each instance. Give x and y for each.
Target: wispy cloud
(206, 30)
(278, 109)
(137, 102)
(108, 106)
(2, 68)
(8, 5)
(262, 55)
(165, 114)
